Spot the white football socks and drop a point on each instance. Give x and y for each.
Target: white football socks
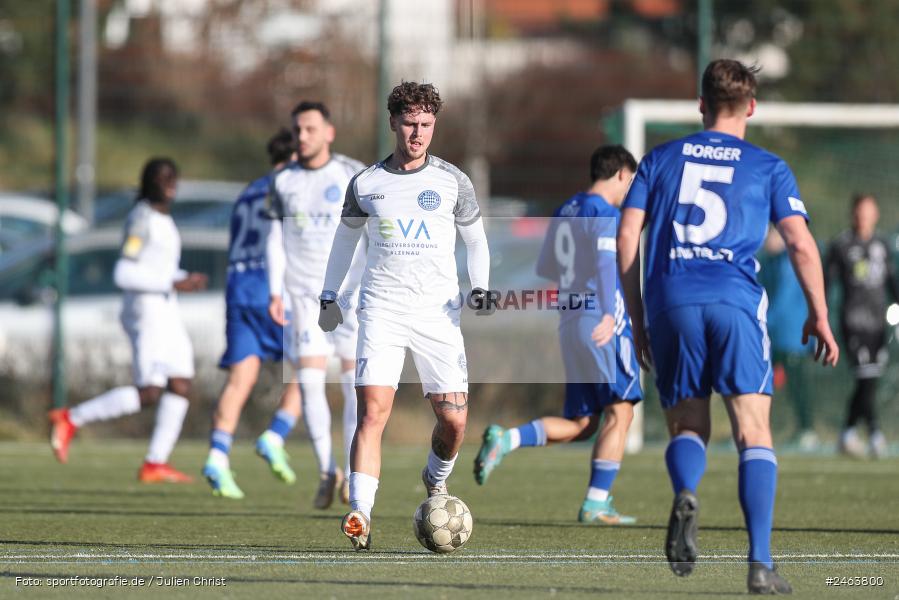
(438, 469)
(362, 492)
(169, 417)
(348, 385)
(115, 403)
(317, 415)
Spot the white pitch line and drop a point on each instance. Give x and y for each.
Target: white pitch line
(462, 557)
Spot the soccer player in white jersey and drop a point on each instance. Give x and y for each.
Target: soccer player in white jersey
(148, 272)
(305, 207)
(410, 204)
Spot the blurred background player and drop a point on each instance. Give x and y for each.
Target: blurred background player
(786, 314)
(859, 262)
(305, 208)
(412, 204)
(706, 199)
(252, 334)
(597, 349)
(148, 271)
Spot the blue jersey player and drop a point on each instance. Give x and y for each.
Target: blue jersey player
(600, 367)
(706, 201)
(252, 335)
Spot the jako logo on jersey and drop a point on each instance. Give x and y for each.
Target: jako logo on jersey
(332, 194)
(387, 228)
(429, 200)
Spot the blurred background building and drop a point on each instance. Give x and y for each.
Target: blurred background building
(531, 87)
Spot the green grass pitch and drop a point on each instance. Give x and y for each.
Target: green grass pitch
(90, 518)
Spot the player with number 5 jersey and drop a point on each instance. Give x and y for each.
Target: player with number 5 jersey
(706, 201)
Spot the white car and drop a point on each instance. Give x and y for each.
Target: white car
(24, 217)
(97, 350)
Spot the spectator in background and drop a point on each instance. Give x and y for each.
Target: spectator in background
(859, 261)
(786, 314)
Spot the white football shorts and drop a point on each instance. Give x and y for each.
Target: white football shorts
(160, 346)
(308, 337)
(435, 340)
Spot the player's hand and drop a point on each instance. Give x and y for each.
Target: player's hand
(480, 301)
(276, 310)
(826, 345)
(330, 315)
(641, 346)
(194, 282)
(603, 332)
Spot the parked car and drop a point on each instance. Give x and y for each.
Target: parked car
(95, 344)
(198, 204)
(25, 217)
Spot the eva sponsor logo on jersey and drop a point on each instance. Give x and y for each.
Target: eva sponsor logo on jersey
(315, 220)
(414, 229)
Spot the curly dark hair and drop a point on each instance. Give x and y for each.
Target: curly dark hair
(409, 96)
(156, 175)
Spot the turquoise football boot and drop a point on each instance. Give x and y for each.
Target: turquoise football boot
(494, 447)
(269, 448)
(222, 481)
(602, 513)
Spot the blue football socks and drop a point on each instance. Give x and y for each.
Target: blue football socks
(758, 483)
(685, 458)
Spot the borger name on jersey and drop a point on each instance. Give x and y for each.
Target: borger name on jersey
(308, 201)
(411, 219)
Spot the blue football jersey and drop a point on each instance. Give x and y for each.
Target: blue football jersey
(708, 199)
(247, 277)
(579, 254)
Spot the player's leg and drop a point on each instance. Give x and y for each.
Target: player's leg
(117, 402)
(497, 442)
(438, 352)
(871, 358)
(65, 422)
(174, 353)
(451, 410)
(381, 351)
(278, 344)
(742, 372)
(242, 377)
(859, 355)
(171, 409)
(348, 388)
(608, 452)
(683, 378)
(750, 422)
(375, 405)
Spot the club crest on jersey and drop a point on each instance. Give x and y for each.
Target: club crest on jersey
(332, 194)
(429, 200)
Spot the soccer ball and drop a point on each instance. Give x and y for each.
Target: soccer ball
(442, 523)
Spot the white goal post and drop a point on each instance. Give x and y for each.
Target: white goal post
(637, 114)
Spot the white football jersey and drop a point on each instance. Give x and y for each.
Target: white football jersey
(411, 219)
(151, 251)
(308, 202)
